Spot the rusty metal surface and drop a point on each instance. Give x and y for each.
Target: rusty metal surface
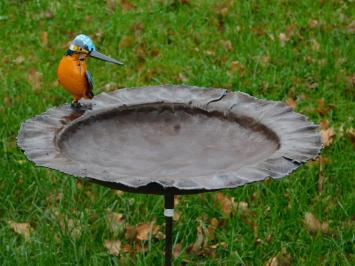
(172, 139)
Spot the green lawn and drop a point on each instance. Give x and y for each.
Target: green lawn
(281, 50)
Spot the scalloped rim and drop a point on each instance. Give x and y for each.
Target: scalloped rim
(299, 138)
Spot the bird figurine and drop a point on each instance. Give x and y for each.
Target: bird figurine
(72, 72)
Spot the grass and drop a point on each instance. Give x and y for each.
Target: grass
(271, 49)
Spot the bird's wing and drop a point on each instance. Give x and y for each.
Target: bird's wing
(89, 92)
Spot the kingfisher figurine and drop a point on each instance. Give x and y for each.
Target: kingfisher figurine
(72, 73)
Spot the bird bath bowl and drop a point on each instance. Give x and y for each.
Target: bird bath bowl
(172, 140)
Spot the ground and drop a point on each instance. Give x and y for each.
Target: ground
(299, 52)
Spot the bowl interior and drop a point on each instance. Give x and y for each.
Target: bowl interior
(165, 140)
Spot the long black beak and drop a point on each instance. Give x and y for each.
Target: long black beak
(103, 57)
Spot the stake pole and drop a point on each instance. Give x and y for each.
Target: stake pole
(168, 213)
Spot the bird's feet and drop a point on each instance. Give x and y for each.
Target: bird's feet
(76, 105)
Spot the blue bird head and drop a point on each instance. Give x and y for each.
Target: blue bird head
(82, 42)
(83, 45)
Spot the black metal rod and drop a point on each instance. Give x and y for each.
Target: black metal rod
(169, 205)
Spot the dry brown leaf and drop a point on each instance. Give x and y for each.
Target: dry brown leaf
(200, 242)
(182, 77)
(143, 231)
(281, 259)
(315, 44)
(227, 203)
(126, 41)
(351, 135)
(111, 4)
(154, 52)
(19, 60)
(223, 7)
(323, 108)
(115, 221)
(113, 247)
(212, 228)
(227, 44)
(126, 248)
(283, 39)
(126, 5)
(118, 193)
(291, 102)
(44, 39)
(23, 229)
(130, 233)
(328, 136)
(46, 15)
(176, 216)
(351, 27)
(324, 124)
(237, 67)
(313, 225)
(35, 79)
(177, 250)
(313, 23)
(7, 101)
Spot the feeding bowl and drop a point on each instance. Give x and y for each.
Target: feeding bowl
(172, 140)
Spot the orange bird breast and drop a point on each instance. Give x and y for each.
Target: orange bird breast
(71, 74)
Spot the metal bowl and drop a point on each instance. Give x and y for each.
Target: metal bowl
(172, 139)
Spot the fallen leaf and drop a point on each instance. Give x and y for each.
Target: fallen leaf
(126, 248)
(115, 221)
(351, 27)
(176, 216)
(323, 108)
(111, 4)
(130, 233)
(313, 23)
(181, 77)
(315, 44)
(19, 60)
(46, 15)
(237, 67)
(351, 80)
(111, 86)
(143, 231)
(126, 5)
(35, 79)
(7, 101)
(283, 39)
(70, 226)
(328, 136)
(146, 230)
(281, 259)
(223, 7)
(351, 135)
(210, 52)
(23, 229)
(154, 52)
(324, 124)
(227, 44)
(291, 102)
(126, 41)
(212, 228)
(118, 193)
(113, 247)
(200, 242)
(177, 250)
(313, 225)
(227, 203)
(44, 39)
